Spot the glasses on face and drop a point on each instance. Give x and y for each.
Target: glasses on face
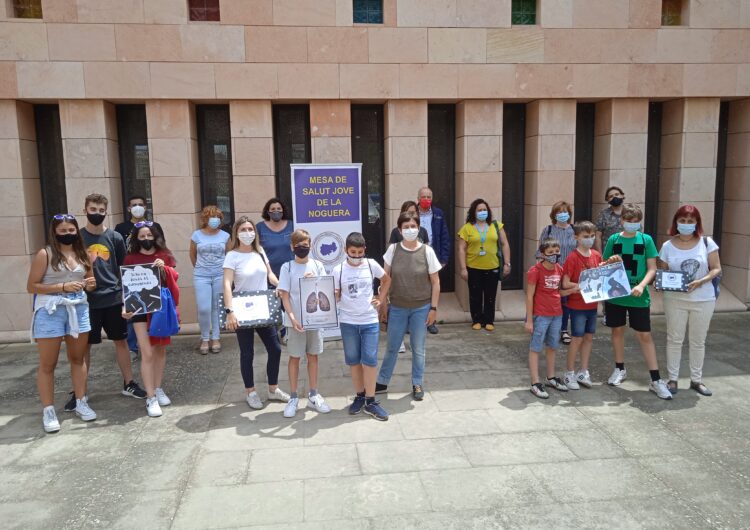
(141, 224)
(64, 217)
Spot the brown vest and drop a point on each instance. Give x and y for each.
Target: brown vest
(410, 278)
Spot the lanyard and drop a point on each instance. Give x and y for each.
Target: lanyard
(482, 235)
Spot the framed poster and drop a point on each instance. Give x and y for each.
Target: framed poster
(318, 303)
(604, 283)
(141, 288)
(671, 281)
(253, 309)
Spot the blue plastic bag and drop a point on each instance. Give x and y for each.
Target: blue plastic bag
(164, 322)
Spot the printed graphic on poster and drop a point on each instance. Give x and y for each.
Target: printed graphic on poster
(253, 309)
(671, 281)
(318, 303)
(141, 288)
(604, 283)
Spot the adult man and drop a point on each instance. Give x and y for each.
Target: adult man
(433, 220)
(106, 250)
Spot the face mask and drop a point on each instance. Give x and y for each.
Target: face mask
(562, 217)
(356, 261)
(552, 258)
(588, 242)
(425, 203)
(686, 229)
(95, 218)
(66, 239)
(616, 201)
(276, 216)
(410, 234)
(138, 211)
(631, 228)
(482, 216)
(247, 238)
(301, 252)
(214, 222)
(146, 244)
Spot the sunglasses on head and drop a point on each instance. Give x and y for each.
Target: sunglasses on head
(141, 224)
(64, 217)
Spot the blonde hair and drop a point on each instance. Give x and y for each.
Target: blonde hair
(631, 212)
(234, 242)
(210, 211)
(300, 235)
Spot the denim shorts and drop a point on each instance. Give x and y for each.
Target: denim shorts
(49, 326)
(582, 321)
(360, 344)
(546, 332)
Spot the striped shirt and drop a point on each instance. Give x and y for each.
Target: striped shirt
(564, 236)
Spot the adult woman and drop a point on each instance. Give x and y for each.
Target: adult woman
(59, 275)
(274, 232)
(697, 257)
(207, 248)
(608, 220)
(479, 263)
(414, 293)
(561, 230)
(248, 269)
(396, 237)
(146, 246)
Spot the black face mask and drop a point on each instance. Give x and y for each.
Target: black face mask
(276, 216)
(146, 244)
(616, 201)
(95, 218)
(301, 252)
(66, 239)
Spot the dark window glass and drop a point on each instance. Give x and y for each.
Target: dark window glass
(215, 157)
(27, 8)
(132, 137)
(51, 163)
(441, 169)
(671, 12)
(368, 11)
(584, 174)
(523, 12)
(514, 149)
(653, 169)
(204, 10)
(291, 143)
(721, 168)
(368, 148)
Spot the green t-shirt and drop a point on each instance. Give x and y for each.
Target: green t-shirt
(634, 252)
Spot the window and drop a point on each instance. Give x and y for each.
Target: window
(523, 12)
(215, 158)
(204, 10)
(584, 173)
(672, 13)
(27, 8)
(135, 173)
(514, 151)
(368, 11)
(51, 164)
(653, 168)
(291, 145)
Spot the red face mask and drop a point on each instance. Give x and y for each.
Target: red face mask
(425, 203)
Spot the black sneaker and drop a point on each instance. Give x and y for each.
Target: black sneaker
(432, 329)
(70, 406)
(381, 389)
(133, 390)
(376, 411)
(418, 392)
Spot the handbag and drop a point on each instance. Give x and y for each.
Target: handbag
(164, 322)
(715, 281)
(499, 251)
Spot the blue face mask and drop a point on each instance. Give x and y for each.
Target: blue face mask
(482, 216)
(214, 222)
(686, 229)
(631, 228)
(562, 217)
(552, 259)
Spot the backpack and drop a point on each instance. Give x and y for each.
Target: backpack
(716, 281)
(164, 322)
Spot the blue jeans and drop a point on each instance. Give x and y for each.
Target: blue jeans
(132, 339)
(360, 344)
(399, 320)
(546, 333)
(582, 322)
(207, 292)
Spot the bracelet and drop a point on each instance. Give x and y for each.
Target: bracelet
(63, 287)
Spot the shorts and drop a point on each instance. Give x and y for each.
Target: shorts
(57, 324)
(109, 318)
(298, 344)
(615, 316)
(546, 332)
(360, 344)
(582, 322)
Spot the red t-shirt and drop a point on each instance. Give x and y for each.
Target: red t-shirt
(574, 265)
(547, 295)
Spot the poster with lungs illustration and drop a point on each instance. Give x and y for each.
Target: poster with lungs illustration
(318, 303)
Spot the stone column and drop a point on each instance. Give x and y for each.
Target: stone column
(735, 239)
(252, 156)
(331, 131)
(175, 185)
(550, 165)
(23, 226)
(479, 145)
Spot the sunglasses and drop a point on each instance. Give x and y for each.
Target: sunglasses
(64, 217)
(141, 224)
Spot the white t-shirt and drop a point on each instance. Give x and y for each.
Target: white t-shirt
(694, 263)
(355, 306)
(250, 272)
(433, 264)
(291, 272)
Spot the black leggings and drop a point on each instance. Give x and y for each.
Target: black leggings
(245, 338)
(482, 294)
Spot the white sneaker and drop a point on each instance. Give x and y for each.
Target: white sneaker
(660, 389)
(152, 407)
(49, 419)
(318, 403)
(83, 410)
(162, 398)
(402, 348)
(584, 378)
(253, 400)
(291, 408)
(617, 377)
(570, 381)
(278, 395)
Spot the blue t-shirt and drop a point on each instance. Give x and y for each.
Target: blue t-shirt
(211, 250)
(277, 245)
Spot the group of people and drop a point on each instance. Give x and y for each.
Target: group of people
(77, 291)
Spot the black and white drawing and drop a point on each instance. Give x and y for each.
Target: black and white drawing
(141, 288)
(318, 303)
(604, 283)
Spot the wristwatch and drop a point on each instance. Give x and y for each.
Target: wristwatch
(228, 310)
(433, 308)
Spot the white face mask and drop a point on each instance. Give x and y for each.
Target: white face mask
(138, 211)
(410, 234)
(246, 238)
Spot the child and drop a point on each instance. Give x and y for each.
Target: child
(299, 340)
(582, 315)
(544, 314)
(638, 253)
(358, 320)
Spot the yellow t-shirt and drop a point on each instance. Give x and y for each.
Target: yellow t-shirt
(473, 238)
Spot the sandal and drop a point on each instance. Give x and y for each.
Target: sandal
(203, 348)
(672, 387)
(215, 347)
(702, 389)
(565, 337)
